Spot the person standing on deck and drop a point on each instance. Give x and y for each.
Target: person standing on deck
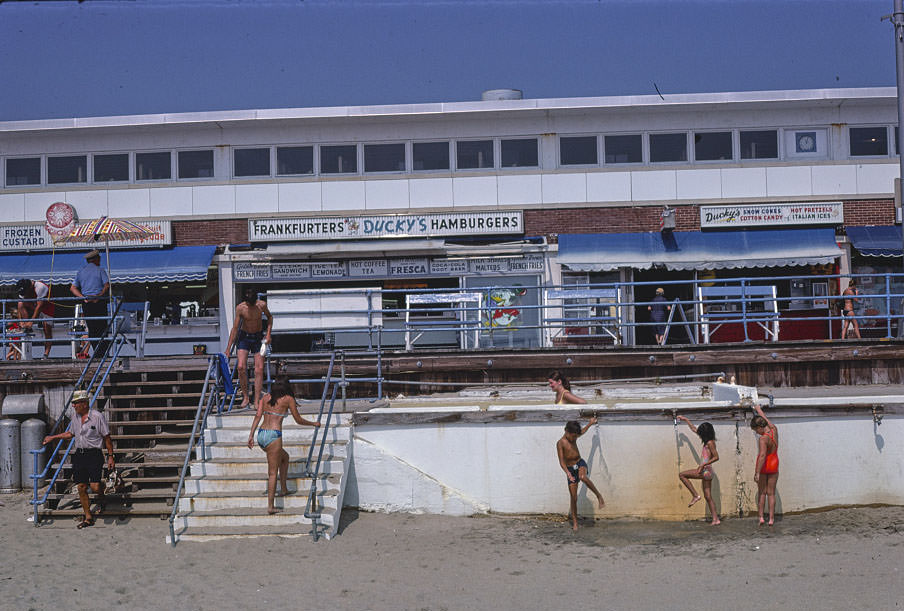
(93, 285)
(39, 308)
(658, 314)
(246, 335)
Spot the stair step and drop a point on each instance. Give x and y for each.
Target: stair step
(151, 422)
(144, 493)
(150, 509)
(245, 470)
(248, 517)
(120, 383)
(154, 436)
(240, 452)
(227, 504)
(161, 395)
(215, 484)
(232, 532)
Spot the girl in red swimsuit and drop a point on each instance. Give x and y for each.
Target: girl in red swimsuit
(766, 473)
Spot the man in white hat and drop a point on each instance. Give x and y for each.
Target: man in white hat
(93, 285)
(91, 433)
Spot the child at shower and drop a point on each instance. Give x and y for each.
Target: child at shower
(574, 466)
(704, 472)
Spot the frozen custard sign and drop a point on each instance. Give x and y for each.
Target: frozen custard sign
(760, 215)
(384, 226)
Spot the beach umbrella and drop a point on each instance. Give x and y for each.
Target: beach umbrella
(106, 230)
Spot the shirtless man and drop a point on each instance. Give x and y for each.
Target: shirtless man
(40, 308)
(247, 334)
(574, 466)
(849, 320)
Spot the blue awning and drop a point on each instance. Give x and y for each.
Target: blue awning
(687, 250)
(180, 264)
(876, 241)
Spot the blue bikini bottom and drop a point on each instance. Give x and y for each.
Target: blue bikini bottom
(267, 436)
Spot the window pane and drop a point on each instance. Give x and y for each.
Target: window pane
(578, 151)
(624, 149)
(251, 162)
(476, 154)
(339, 159)
(869, 141)
(759, 145)
(384, 157)
(67, 169)
(23, 171)
(195, 164)
(152, 166)
(295, 160)
(519, 153)
(668, 147)
(712, 146)
(430, 155)
(110, 168)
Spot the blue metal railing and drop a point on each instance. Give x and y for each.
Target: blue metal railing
(217, 390)
(312, 509)
(94, 387)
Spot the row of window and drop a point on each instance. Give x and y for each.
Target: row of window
(675, 147)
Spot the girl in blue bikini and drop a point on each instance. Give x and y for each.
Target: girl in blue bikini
(274, 408)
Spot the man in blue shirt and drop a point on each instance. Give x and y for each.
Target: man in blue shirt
(92, 285)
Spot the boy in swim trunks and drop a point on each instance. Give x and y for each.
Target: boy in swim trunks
(574, 466)
(247, 334)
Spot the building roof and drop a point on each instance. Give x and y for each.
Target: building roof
(829, 97)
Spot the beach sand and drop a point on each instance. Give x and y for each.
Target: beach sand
(839, 559)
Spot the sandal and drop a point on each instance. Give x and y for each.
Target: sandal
(85, 523)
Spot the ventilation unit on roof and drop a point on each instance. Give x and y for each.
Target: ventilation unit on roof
(501, 94)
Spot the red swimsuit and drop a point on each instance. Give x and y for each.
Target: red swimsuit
(770, 465)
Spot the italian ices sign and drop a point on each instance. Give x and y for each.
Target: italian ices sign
(762, 215)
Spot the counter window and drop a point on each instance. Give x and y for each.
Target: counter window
(339, 159)
(579, 150)
(153, 166)
(474, 155)
(869, 141)
(624, 149)
(712, 146)
(111, 168)
(384, 157)
(430, 156)
(195, 164)
(521, 153)
(668, 147)
(294, 160)
(251, 162)
(67, 169)
(23, 171)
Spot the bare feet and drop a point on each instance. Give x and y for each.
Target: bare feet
(762, 521)
(715, 522)
(272, 510)
(693, 501)
(771, 521)
(245, 403)
(574, 527)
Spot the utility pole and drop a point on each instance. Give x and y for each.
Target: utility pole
(897, 20)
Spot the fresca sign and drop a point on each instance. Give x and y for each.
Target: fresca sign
(759, 215)
(385, 226)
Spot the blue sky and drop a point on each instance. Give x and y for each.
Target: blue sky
(68, 59)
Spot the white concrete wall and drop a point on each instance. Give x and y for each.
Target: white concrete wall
(403, 194)
(462, 469)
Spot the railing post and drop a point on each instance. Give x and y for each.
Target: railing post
(887, 305)
(744, 309)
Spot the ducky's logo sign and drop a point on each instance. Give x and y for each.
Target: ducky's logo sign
(502, 312)
(760, 215)
(385, 226)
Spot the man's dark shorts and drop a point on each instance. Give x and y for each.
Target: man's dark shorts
(249, 341)
(575, 471)
(87, 465)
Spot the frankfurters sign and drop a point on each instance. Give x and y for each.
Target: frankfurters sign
(385, 226)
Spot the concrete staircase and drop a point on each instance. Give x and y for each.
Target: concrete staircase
(225, 493)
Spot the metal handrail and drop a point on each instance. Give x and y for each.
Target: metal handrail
(312, 510)
(205, 404)
(327, 380)
(95, 385)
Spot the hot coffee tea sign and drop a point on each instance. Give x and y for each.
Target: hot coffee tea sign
(761, 215)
